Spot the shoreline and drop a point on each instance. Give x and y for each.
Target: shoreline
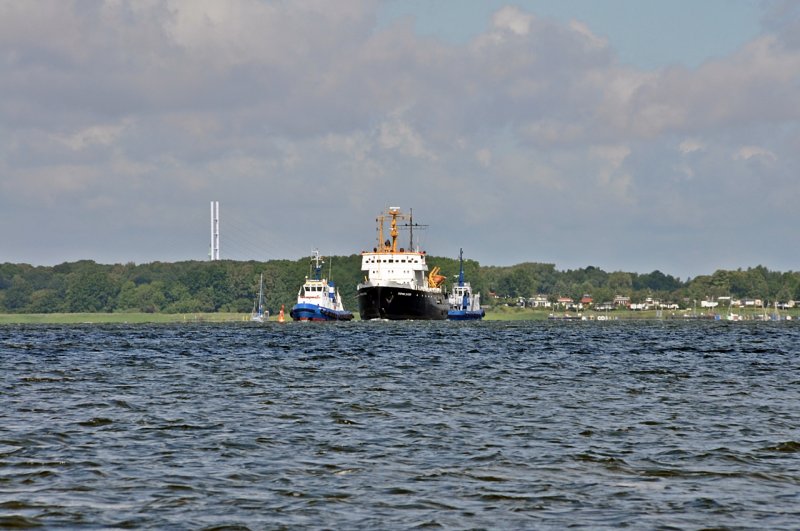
(497, 314)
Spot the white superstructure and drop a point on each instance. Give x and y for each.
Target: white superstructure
(462, 298)
(390, 266)
(399, 269)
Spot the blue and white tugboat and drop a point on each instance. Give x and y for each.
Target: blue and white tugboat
(396, 285)
(464, 304)
(318, 298)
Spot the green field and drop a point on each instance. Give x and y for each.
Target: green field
(79, 318)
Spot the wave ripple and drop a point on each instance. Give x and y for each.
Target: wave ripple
(400, 425)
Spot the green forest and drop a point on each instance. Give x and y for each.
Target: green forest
(231, 286)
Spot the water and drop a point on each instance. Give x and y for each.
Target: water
(401, 425)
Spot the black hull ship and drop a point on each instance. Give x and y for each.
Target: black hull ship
(396, 285)
(391, 302)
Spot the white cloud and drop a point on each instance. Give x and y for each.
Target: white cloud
(755, 152)
(513, 19)
(396, 134)
(356, 146)
(164, 103)
(102, 135)
(611, 175)
(546, 132)
(690, 145)
(685, 171)
(615, 155)
(592, 40)
(47, 186)
(484, 156)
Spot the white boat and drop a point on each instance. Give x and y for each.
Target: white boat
(318, 298)
(259, 314)
(465, 305)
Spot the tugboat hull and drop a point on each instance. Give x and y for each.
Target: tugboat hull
(313, 312)
(466, 315)
(398, 303)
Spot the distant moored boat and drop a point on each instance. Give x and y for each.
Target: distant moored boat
(259, 314)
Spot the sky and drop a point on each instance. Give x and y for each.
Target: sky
(627, 135)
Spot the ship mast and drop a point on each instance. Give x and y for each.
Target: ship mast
(390, 245)
(317, 260)
(461, 267)
(411, 226)
(411, 229)
(394, 211)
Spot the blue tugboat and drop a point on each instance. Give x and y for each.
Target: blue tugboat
(464, 304)
(318, 298)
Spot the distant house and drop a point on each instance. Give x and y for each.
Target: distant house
(651, 303)
(620, 300)
(539, 301)
(709, 304)
(566, 302)
(586, 300)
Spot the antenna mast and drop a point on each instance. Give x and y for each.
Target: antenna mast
(214, 254)
(411, 226)
(410, 229)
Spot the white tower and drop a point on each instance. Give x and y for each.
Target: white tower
(214, 254)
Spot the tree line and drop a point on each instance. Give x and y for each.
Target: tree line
(231, 286)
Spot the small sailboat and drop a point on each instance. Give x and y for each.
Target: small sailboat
(318, 298)
(259, 314)
(464, 304)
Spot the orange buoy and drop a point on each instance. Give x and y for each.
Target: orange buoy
(280, 315)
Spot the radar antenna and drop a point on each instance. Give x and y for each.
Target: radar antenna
(410, 226)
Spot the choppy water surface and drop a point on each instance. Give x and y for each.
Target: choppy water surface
(401, 425)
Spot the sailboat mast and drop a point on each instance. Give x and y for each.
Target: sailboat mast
(261, 292)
